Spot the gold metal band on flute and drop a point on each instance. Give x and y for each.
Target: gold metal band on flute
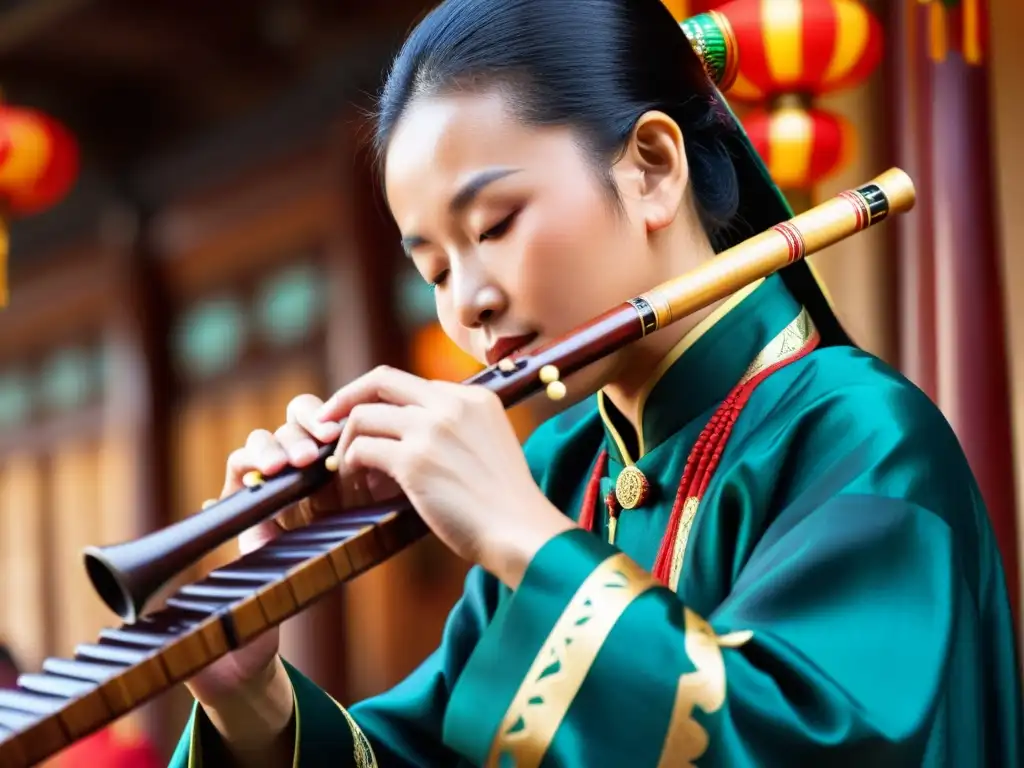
(787, 242)
(648, 314)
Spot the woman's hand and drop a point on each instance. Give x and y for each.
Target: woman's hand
(448, 447)
(246, 693)
(451, 449)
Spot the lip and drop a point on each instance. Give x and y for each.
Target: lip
(504, 347)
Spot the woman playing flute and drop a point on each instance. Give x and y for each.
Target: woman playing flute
(755, 545)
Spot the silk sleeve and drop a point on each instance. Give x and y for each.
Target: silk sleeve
(401, 727)
(830, 650)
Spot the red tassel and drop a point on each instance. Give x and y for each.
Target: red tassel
(700, 464)
(589, 507)
(663, 563)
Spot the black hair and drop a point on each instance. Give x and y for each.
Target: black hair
(594, 65)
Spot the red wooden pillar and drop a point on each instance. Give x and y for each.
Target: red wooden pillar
(952, 326)
(973, 377)
(911, 109)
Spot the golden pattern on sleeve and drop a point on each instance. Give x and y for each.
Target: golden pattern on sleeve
(564, 661)
(704, 687)
(362, 752)
(195, 754)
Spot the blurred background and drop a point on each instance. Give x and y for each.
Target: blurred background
(197, 237)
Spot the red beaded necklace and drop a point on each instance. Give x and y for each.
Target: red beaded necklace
(705, 455)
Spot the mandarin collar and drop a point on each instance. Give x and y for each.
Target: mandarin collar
(699, 372)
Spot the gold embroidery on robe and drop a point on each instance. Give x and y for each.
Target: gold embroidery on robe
(686, 740)
(362, 752)
(789, 342)
(195, 757)
(682, 537)
(564, 661)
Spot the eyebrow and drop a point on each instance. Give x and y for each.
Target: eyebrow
(463, 198)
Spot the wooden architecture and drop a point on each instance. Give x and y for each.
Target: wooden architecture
(224, 250)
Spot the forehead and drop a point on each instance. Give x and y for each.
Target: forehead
(441, 141)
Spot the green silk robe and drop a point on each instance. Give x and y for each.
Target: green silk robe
(841, 601)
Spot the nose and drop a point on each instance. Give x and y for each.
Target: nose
(478, 300)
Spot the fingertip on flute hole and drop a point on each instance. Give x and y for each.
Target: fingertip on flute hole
(252, 479)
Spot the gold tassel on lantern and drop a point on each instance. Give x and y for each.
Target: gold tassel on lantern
(973, 54)
(938, 34)
(971, 47)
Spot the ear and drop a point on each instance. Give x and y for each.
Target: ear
(656, 156)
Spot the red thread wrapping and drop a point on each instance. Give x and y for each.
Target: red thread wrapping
(700, 464)
(589, 508)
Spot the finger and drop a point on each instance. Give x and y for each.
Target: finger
(471, 393)
(374, 453)
(304, 410)
(300, 448)
(382, 384)
(237, 465)
(239, 462)
(265, 452)
(379, 420)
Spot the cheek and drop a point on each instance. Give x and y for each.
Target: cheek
(576, 260)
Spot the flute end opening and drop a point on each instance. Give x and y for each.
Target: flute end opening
(899, 190)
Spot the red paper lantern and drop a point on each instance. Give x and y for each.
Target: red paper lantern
(38, 165)
(808, 47)
(801, 147)
(38, 161)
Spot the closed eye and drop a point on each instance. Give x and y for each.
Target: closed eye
(438, 281)
(500, 229)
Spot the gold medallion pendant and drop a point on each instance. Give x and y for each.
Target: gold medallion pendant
(631, 488)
